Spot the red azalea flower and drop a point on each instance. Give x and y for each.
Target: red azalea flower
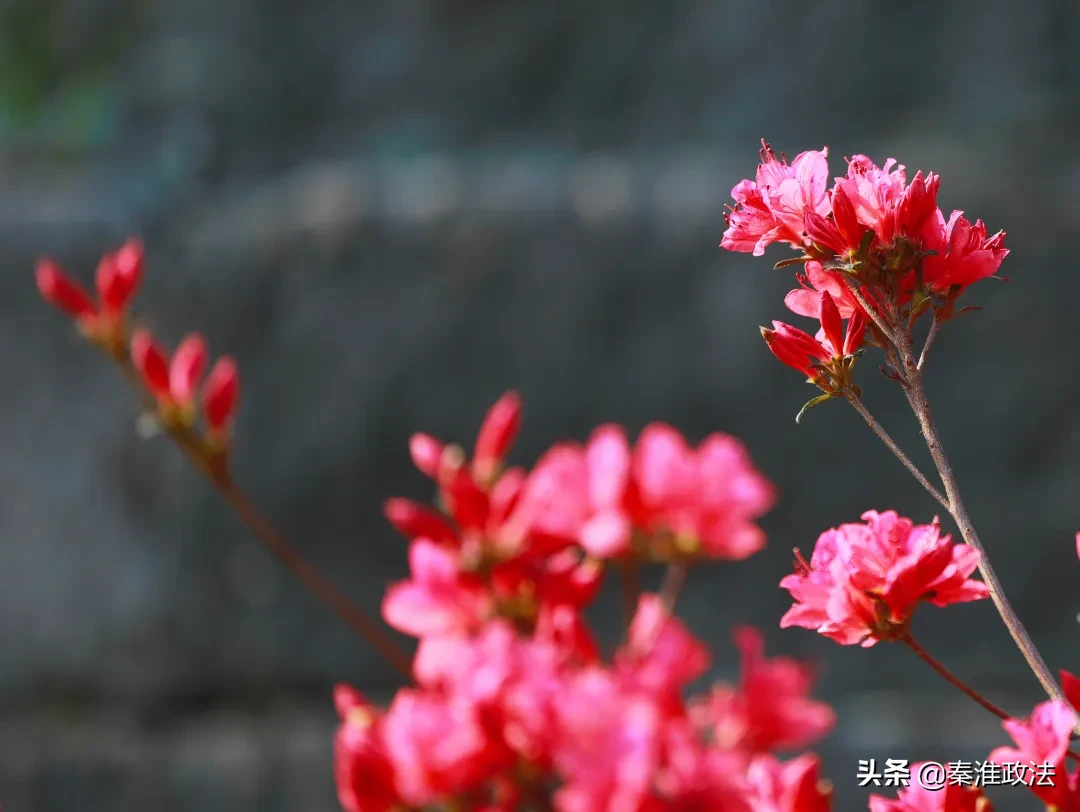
(865, 580)
(771, 709)
(825, 359)
(950, 798)
(1041, 743)
(362, 770)
(793, 786)
(438, 746)
(437, 598)
(609, 746)
(772, 209)
(661, 656)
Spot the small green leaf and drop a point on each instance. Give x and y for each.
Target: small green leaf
(784, 263)
(812, 403)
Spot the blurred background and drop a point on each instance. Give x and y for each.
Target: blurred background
(392, 211)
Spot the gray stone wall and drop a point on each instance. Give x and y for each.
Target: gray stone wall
(393, 211)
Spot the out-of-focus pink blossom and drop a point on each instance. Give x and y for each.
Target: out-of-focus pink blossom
(771, 709)
(953, 797)
(1042, 740)
(793, 786)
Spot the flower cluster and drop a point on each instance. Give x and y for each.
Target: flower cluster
(513, 705)
(175, 385)
(876, 249)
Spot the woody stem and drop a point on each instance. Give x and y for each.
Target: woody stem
(958, 683)
(879, 430)
(916, 395)
(947, 675)
(318, 584)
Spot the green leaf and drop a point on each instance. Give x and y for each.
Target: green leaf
(811, 404)
(793, 261)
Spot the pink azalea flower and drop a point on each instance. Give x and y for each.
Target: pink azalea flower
(801, 351)
(964, 253)
(772, 208)
(793, 786)
(865, 580)
(661, 655)
(437, 598)
(698, 777)
(874, 193)
(609, 745)
(437, 746)
(806, 301)
(771, 709)
(916, 798)
(707, 498)
(362, 770)
(1043, 739)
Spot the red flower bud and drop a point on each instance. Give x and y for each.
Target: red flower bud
(794, 347)
(150, 363)
(221, 393)
(188, 364)
(414, 520)
(62, 292)
(497, 434)
(118, 276)
(426, 453)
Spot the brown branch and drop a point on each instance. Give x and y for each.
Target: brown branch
(216, 472)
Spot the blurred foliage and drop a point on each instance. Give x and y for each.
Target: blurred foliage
(58, 83)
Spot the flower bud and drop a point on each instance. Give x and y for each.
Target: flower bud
(186, 369)
(150, 363)
(59, 290)
(221, 394)
(414, 520)
(426, 453)
(497, 435)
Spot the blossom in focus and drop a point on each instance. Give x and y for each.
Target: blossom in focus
(1043, 739)
(771, 709)
(886, 235)
(772, 207)
(815, 283)
(865, 580)
(916, 798)
(964, 252)
(827, 358)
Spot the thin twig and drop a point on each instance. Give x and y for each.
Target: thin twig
(934, 325)
(916, 394)
(671, 588)
(324, 589)
(956, 682)
(629, 593)
(879, 430)
(871, 311)
(319, 585)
